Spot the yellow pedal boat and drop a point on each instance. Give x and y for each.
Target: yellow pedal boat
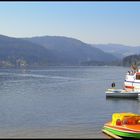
(123, 125)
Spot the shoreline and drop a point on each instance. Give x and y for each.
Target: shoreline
(52, 132)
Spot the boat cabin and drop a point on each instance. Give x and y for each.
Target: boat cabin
(125, 118)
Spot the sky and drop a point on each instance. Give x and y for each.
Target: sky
(89, 21)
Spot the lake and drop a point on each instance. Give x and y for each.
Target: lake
(60, 101)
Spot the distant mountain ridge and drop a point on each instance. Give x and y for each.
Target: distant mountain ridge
(71, 50)
(118, 50)
(50, 50)
(13, 49)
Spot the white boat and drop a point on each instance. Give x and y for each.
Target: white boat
(121, 93)
(131, 88)
(132, 81)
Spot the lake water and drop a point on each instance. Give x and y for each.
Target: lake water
(67, 99)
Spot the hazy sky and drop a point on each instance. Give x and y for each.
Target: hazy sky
(90, 22)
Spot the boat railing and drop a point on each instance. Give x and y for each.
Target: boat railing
(130, 73)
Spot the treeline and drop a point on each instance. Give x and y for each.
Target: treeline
(129, 60)
(56, 50)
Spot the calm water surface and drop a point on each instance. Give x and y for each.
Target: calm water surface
(61, 97)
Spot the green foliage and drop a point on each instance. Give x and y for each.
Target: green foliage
(132, 59)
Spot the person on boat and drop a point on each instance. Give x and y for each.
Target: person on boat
(113, 84)
(129, 72)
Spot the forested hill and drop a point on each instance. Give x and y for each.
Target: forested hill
(15, 49)
(129, 60)
(49, 50)
(71, 51)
